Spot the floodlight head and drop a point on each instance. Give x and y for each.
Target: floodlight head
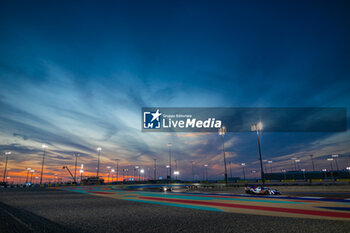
(256, 127)
(7, 152)
(205, 165)
(44, 146)
(29, 169)
(222, 130)
(270, 161)
(99, 148)
(169, 144)
(335, 156)
(253, 127)
(112, 170)
(329, 159)
(243, 164)
(297, 160)
(142, 171)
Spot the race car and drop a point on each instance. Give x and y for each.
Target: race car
(165, 189)
(261, 190)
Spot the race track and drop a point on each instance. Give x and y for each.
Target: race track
(282, 206)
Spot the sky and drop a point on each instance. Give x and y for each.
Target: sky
(74, 75)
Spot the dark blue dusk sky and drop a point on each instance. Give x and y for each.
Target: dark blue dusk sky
(75, 74)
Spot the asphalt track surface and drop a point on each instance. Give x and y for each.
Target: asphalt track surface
(50, 210)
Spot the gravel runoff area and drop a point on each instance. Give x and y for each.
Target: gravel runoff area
(48, 210)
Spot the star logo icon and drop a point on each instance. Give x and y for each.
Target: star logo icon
(156, 115)
(152, 119)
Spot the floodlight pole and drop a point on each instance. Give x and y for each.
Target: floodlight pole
(312, 161)
(42, 164)
(7, 156)
(169, 146)
(223, 148)
(260, 157)
(257, 127)
(28, 169)
(98, 161)
(243, 164)
(81, 172)
(139, 175)
(270, 162)
(206, 171)
(335, 159)
(192, 171)
(222, 132)
(155, 169)
(175, 172)
(331, 159)
(31, 176)
(75, 167)
(117, 170)
(336, 163)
